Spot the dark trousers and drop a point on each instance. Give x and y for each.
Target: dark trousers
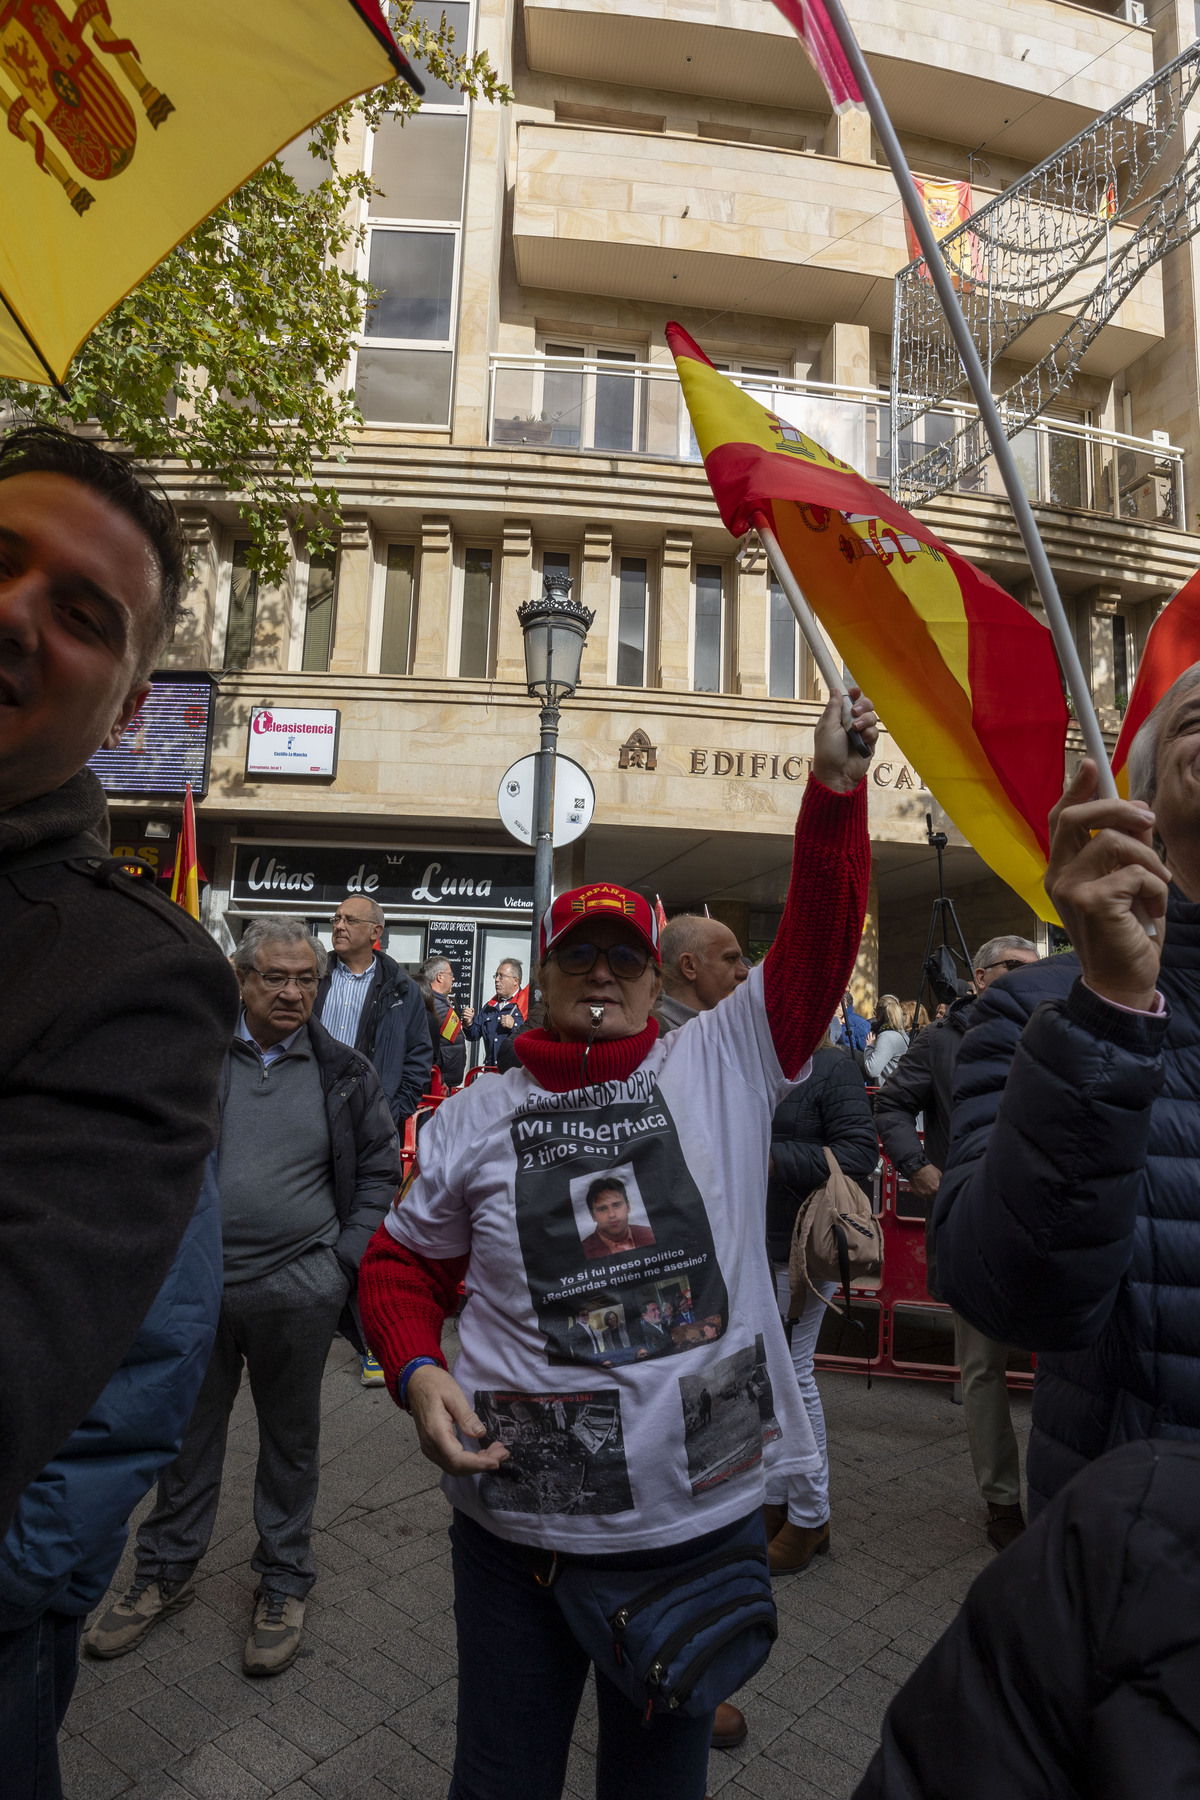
(280, 1326)
(38, 1666)
(521, 1676)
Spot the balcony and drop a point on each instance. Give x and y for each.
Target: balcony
(951, 70)
(589, 406)
(681, 221)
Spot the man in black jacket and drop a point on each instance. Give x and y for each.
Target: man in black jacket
(308, 1164)
(1073, 1670)
(1068, 1219)
(921, 1084)
(117, 1008)
(368, 1001)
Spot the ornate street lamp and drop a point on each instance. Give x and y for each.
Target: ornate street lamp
(555, 629)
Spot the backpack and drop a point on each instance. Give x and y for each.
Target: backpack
(836, 1237)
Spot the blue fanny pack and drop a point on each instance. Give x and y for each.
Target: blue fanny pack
(681, 1639)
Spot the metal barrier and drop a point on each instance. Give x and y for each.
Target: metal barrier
(909, 1334)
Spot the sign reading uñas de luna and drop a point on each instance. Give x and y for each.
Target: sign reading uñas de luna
(310, 877)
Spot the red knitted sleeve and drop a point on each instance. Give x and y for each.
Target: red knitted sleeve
(811, 960)
(404, 1299)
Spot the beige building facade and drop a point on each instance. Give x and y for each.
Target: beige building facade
(664, 159)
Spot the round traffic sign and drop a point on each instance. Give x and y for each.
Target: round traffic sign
(574, 800)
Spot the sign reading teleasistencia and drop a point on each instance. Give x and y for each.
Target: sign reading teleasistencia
(285, 740)
(166, 744)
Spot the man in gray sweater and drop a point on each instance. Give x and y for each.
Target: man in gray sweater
(307, 1164)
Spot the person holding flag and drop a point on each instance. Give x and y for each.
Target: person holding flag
(445, 1025)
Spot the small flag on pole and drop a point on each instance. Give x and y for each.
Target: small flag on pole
(964, 678)
(660, 913)
(1173, 645)
(185, 880)
(451, 1026)
(811, 23)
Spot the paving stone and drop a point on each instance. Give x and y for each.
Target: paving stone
(344, 1774)
(130, 1744)
(230, 1696)
(179, 1718)
(831, 1773)
(256, 1746)
(210, 1775)
(86, 1775)
(99, 1701)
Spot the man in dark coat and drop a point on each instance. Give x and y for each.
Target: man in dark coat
(832, 1108)
(308, 1164)
(499, 1017)
(368, 1001)
(919, 1085)
(117, 1007)
(1073, 1670)
(445, 1026)
(1068, 1219)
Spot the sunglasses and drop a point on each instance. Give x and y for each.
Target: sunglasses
(1009, 963)
(627, 961)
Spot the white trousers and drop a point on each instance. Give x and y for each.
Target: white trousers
(806, 1496)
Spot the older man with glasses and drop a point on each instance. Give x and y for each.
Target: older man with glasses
(307, 1164)
(921, 1083)
(502, 1015)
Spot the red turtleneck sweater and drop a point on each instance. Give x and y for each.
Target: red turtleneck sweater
(404, 1297)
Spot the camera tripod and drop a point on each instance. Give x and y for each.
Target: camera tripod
(939, 970)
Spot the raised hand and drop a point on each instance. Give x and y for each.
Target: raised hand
(834, 762)
(1106, 879)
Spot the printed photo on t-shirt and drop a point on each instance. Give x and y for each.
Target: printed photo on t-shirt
(728, 1416)
(616, 1243)
(566, 1452)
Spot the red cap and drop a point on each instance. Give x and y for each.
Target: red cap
(600, 900)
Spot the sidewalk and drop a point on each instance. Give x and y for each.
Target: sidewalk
(367, 1710)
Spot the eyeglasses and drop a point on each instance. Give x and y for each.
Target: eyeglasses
(1009, 962)
(278, 978)
(627, 961)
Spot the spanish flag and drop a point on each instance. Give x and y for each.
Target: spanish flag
(964, 677)
(129, 121)
(451, 1025)
(185, 879)
(1172, 645)
(948, 204)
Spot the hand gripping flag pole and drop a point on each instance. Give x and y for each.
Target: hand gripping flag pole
(989, 413)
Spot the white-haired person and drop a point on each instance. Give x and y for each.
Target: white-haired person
(610, 1416)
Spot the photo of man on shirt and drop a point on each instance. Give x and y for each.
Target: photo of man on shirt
(608, 1205)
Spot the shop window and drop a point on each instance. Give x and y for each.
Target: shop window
(399, 611)
(631, 622)
(474, 657)
(710, 610)
(318, 611)
(782, 678)
(243, 607)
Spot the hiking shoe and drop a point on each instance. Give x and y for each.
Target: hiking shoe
(1005, 1525)
(275, 1634)
(793, 1548)
(137, 1612)
(372, 1372)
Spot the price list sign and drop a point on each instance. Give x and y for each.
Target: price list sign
(166, 744)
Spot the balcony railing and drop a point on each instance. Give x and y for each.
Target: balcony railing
(620, 408)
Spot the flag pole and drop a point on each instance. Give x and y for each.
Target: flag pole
(829, 672)
(989, 412)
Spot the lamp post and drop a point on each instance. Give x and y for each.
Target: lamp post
(555, 629)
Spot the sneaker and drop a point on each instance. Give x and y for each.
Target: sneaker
(124, 1625)
(275, 1634)
(372, 1372)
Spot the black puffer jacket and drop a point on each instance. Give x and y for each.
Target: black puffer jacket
(1073, 1670)
(832, 1108)
(1068, 1220)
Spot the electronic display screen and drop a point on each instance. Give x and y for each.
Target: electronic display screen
(167, 742)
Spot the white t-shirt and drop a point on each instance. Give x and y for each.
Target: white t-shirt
(621, 1334)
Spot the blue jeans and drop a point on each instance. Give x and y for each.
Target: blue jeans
(38, 1666)
(521, 1677)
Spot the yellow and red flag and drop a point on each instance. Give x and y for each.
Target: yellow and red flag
(1172, 645)
(129, 121)
(660, 913)
(810, 20)
(185, 879)
(451, 1026)
(964, 678)
(947, 204)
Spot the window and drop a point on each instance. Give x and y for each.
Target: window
(556, 562)
(458, 17)
(243, 605)
(631, 623)
(706, 666)
(591, 410)
(399, 613)
(318, 615)
(405, 361)
(474, 657)
(782, 677)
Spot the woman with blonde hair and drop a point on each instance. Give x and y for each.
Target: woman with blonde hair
(888, 1040)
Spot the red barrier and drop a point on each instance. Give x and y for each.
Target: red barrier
(908, 1333)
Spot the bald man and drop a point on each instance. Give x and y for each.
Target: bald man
(702, 963)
